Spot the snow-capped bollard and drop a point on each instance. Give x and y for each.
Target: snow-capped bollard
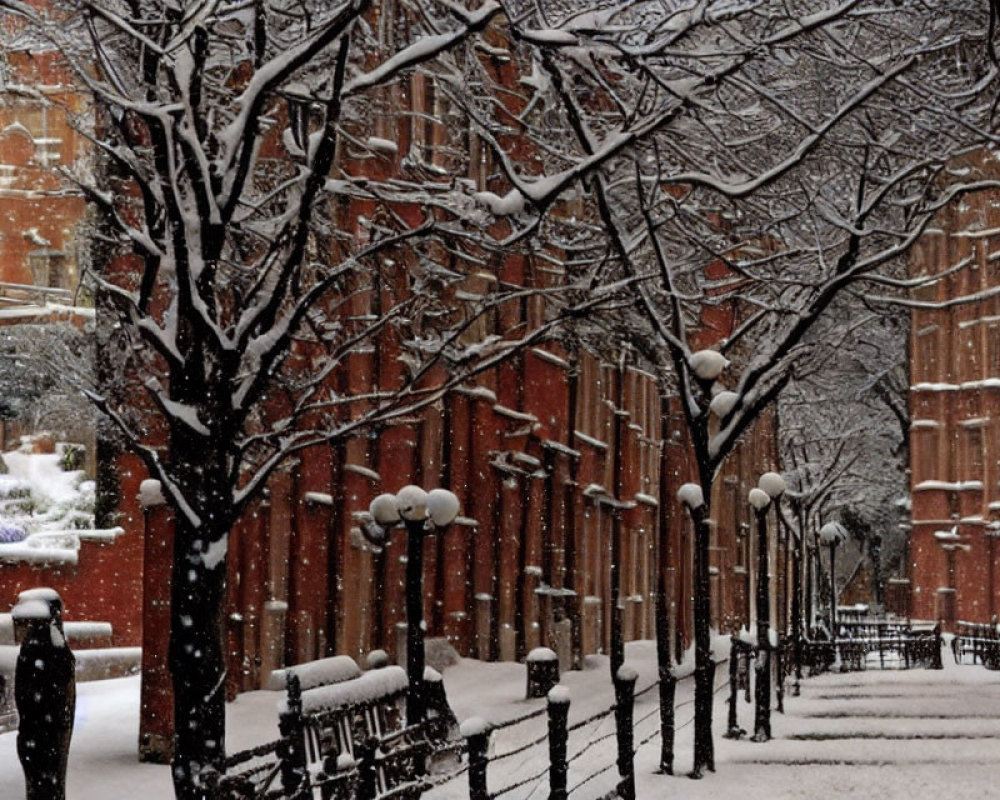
(543, 671)
(45, 695)
(476, 732)
(625, 680)
(558, 709)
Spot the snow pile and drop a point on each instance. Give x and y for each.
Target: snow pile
(45, 509)
(378, 684)
(316, 673)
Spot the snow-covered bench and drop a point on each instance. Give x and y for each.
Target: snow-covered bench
(344, 731)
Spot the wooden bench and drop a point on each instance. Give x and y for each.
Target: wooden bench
(344, 735)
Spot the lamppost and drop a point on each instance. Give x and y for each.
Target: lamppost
(833, 534)
(770, 486)
(421, 513)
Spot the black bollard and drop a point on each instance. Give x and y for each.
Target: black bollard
(542, 666)
(477, 734)
(45, 695)
(558, 721)
(625, 680)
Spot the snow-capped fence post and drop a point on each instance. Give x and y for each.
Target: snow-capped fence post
(625, 679)
(476, 733)
(290, 724)
(45, 695)
(542, 666)
(936, 659)
(558, 709)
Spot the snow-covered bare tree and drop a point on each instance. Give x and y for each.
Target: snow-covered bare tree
(844, 433)
(42, 370)
(277, 193)
(764, 158)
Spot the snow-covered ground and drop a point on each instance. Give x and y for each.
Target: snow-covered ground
(45, 510)
(873, 734)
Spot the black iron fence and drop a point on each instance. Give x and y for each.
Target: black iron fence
(874, 645)
(977, 643)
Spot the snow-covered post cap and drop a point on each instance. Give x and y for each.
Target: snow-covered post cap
(833, 533)
(542, 654)
(32, 609)
(474, 726)
(759, 499)
(627, 673)
(773, 484)
(691, 495)
(558, 695)
(151, 494)
(707, 364)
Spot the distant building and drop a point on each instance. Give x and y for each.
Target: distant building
(40, 212)
(955, 415)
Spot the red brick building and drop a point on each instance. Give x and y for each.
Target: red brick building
(41, 219)
(529, 448)
(954, 428)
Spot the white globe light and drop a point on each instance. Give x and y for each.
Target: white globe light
(691, 495)
(383, 509)
(773, 484)
(442, 507)
(723, 403)
(759, 499)
(411, 502)
(833, 533)
(707, 364)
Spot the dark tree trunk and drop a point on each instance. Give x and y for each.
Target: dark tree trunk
(197, 656)
(668, 683)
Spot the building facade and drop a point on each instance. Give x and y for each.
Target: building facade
(955, 427)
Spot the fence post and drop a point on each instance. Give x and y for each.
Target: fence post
(734, 731)
(668, 689)
(476, 733)
(293, 758)
(779, 666)
(542, 667)
(625, 679)
(936, 663)
(558, 709)
(367, 787)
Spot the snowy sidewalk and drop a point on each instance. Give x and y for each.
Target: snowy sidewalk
(872, 734)
(876, 734)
